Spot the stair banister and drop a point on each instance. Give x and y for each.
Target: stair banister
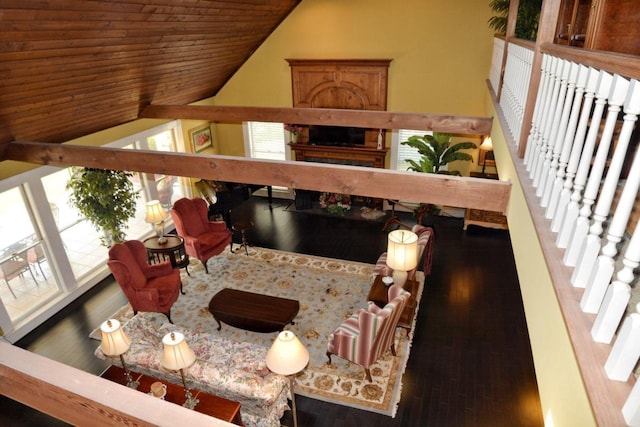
(571, 72)
(569, 139)
(576, 148)
(552, 142)
(573, 208)
(585, 243)
(602, 270)
(537, 113)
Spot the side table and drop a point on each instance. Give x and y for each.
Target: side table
(378, 294)
(172, 250)
(481, 217)
(242, 227)
(209, 404)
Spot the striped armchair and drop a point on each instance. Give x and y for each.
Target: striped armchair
(425, 253)
(364, 336)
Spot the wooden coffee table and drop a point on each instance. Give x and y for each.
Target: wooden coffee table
(214, 406)
(378, 293)
(251, 311)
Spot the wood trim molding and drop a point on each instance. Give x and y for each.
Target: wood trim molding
(371, 182)
(80, 398)
(460, 125)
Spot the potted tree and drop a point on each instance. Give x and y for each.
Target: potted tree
(436, 152)
(106, 198)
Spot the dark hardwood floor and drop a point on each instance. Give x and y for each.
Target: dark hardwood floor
(470, 362)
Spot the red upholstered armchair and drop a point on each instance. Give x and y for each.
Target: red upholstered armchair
(202, 238)
(148, 287)
(367, 334)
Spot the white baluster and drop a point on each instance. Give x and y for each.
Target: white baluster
(578, 78)
(547, 127)
(600, 273)
(574, 159)
(614, 305)
(548, 100)
(561, 130)
(626, 350)
(618, 294)
(591, 243)
(597, 164)
(631, 407)
(552, 141)
(532, 148)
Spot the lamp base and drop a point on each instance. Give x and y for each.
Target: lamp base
(130, 382)
(191, 402)
(399, 277)
(162, 240)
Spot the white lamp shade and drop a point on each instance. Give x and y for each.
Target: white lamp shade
(402, 250)
(177, 354)
(114, 341)
(155, 213)
(487, 144)
(287, 355)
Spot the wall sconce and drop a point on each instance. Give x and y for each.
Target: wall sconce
(156, 215)
(486, 147)
(402, 254)
(287, 356)
(116, 343)
(178, 356)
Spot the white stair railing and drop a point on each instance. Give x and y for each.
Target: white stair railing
(568, 154)
(573, 208)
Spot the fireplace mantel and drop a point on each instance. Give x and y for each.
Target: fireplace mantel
(355, 156)
(356, 84)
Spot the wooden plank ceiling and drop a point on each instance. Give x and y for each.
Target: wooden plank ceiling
(69, 68)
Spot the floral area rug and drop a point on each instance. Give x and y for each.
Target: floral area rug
(329, 291)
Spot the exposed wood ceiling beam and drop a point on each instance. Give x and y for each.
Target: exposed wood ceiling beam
(467, 125)
(371, 182)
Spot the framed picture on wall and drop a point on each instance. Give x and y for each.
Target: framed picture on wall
(201, 138)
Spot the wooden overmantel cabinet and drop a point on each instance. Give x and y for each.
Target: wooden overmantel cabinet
(357, 84)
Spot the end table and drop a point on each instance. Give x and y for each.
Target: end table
(172, 250)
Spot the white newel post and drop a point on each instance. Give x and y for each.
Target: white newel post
(573, 209)
(532, 147)
(547, 120)
(558, 126)
(577, 82)
(625, 351)
(619, 293)
(581, 228)
(576, 151)
(631, 407)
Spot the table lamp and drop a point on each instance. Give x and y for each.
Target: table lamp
(178, 356)
(402, 254)
(115, 343)
(487, 146)
(287, 356)
(156, 215)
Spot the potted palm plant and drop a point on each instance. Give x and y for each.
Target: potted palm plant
(106, 198)
(436, 152)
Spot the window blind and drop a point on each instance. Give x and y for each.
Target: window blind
(405, 152)
(266, 140)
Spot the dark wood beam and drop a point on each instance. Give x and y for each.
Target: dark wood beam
(370, 182)
(465, 125)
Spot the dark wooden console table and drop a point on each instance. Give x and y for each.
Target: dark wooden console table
(211, 405)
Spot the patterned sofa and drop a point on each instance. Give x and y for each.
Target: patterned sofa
(230, 369)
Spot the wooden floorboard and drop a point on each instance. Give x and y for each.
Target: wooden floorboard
(470, 361)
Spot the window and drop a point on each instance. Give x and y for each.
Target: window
(265, 140)
(400, 153)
